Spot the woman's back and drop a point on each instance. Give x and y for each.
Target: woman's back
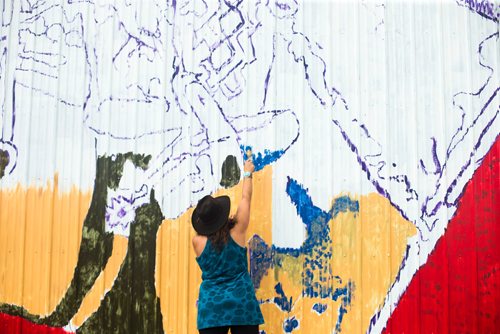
(226, 263)
(227, 295)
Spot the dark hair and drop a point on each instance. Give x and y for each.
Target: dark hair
(220, 237)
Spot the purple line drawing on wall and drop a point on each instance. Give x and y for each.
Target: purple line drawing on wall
(487, 9)
(188, 98)
(168, 79)
(8, 150)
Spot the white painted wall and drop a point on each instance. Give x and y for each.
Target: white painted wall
(411, 87)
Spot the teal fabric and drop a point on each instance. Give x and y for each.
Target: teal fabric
(227, 295)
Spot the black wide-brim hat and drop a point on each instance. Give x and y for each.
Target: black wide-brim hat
(210, 214)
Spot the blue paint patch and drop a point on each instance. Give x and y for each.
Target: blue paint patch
(346, 293)
(261, 257)
(319, 308)
(344, 204)
(339, 292)
(293, 252)
(282, 300)
(261, 160)
(290, 325)
(315, 219)
(303, 202)
(317, 251)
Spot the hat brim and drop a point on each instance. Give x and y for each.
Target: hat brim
(205, 228)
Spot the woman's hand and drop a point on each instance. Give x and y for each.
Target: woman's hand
(249, 167)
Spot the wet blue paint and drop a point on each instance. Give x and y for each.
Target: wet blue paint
(261, 159)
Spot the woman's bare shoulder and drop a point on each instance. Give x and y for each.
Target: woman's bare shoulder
(199, 242)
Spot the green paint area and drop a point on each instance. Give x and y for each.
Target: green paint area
(292, 266)
(231, 172)
(95, 247)
(132, 305)
(4, 161)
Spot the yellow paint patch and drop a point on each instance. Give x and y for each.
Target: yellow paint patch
(274, 317)
(104, 281)
(40, 234)
(368, 249)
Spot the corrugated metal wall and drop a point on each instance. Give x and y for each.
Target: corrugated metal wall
(373, 126)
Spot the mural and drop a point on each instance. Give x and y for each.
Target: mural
(366, 121)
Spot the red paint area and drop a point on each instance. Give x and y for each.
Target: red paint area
(457, 290)
(17, 325)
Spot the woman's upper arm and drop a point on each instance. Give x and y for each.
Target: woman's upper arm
(242, 216)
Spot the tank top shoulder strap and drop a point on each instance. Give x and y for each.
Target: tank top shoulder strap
(235, 244)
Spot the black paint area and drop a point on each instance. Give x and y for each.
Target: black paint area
(132, 305)
(95, 247)
(231, 172)
(4, 162)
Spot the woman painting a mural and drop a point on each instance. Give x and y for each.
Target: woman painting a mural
(227, 296)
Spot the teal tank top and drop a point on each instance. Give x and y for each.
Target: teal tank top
(227, 295)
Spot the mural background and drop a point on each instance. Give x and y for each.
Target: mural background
(373, 126)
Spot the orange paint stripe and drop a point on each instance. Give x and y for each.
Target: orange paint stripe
(104, 281)
(40, 231)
